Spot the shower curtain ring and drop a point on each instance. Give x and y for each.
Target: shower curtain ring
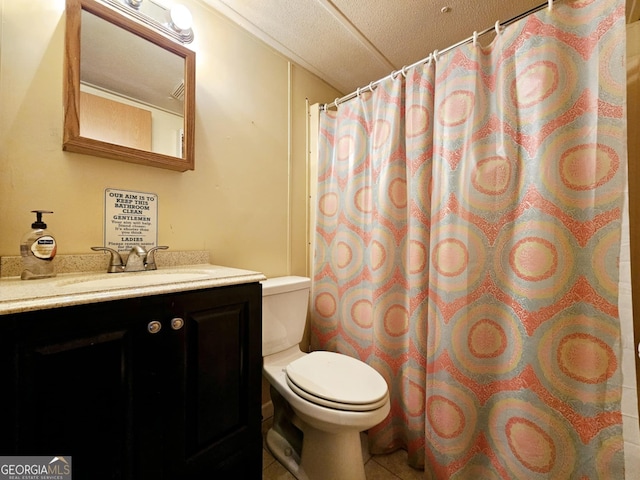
(370, 87)
(475, 38)
(497, 27)
(435, 55)
(358, 92)
(336, 101)
(393, 74)
(550, 4)
(404, 71)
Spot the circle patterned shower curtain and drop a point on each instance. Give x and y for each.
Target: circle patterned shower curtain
(467, 241)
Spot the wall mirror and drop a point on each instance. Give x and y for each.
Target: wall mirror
(129, 91)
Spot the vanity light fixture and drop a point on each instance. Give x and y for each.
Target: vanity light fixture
(175, 22)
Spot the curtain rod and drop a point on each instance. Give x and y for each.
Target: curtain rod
(472, 38)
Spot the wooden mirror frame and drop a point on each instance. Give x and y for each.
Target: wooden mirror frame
(72, 141)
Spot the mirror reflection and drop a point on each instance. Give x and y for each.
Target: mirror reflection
(131, 90)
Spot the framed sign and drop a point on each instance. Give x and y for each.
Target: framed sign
(130, 218)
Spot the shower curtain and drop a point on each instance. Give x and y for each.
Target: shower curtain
(466, 246)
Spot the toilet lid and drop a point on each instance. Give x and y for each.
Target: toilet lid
(337, 381)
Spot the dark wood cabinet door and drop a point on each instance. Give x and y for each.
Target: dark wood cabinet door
(223, 382)
(73, 393)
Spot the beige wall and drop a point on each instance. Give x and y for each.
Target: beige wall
(246, 200)
(630, 259)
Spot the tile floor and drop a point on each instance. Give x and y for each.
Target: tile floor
(379, 467)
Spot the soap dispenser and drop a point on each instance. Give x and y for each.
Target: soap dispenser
(37, 247)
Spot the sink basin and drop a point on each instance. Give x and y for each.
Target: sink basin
(133, 279)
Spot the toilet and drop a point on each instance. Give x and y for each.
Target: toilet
(322, 400)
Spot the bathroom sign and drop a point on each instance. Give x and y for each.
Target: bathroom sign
(130, 218)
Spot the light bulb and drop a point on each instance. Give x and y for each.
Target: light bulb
(181, 18)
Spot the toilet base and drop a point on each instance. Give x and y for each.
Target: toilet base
(329, 456)
(284, 453)
(325, 456)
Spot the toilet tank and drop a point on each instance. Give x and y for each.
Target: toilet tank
(285, 302)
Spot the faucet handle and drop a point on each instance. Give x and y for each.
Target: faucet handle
(115, 264)
(150, 262)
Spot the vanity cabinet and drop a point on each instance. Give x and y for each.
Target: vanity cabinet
(159, 387)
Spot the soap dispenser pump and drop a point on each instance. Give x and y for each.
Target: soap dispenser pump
(38, 248)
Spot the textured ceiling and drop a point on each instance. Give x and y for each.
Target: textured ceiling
(350, 43)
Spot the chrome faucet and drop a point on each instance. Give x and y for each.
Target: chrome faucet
(139, 259)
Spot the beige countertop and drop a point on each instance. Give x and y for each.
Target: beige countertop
(68, 289)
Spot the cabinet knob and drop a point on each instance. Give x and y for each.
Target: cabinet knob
(177, 323)
(154, 326)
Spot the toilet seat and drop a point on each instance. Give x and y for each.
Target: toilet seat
(337, 381)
